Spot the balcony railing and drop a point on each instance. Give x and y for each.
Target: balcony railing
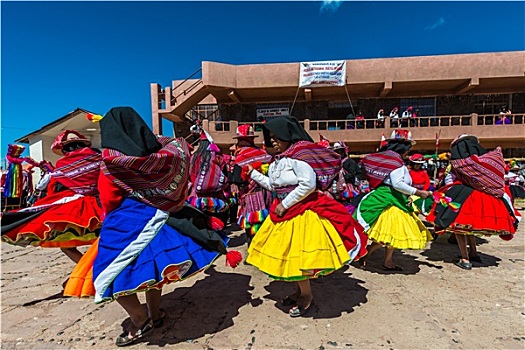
(419, 122)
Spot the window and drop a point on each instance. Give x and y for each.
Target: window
(426, 106)
(210, 112)
(491, 104)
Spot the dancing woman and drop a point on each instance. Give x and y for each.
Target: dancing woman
(307, 233)
(147, 239)
(385, 213)
(69, 216)
(476, 202)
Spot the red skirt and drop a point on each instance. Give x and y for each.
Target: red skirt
(480, 214)
(66, 222)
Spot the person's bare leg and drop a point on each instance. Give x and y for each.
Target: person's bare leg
(370, 249)
(306, 293)
(73, 254)
(136, 312)
(153, 303)
(462, 244)
(388, 262)
(472, 252)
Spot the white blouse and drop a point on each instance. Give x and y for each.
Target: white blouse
(400, 180)
(286, 172)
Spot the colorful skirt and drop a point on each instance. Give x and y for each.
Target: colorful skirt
(389, 220)
(253, 211)
(138, 251)
(304, 247)
(478, 214)
(64, 220)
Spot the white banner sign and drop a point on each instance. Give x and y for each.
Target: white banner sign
(273, 112)
(327, 73)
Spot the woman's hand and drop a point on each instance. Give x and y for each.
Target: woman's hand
(280, 210)
(423, 194)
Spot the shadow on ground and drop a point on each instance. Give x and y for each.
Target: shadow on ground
(442, 250)
(334, 294)
(207, 307)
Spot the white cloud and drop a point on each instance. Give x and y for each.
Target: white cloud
(439, 23)
(330, 5)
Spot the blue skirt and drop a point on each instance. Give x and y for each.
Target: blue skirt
(138, 251)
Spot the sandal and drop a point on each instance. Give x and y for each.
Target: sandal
(288, 301)
(124, 339)
(395, 268)
(463, 265)
(298, 310)
(159, 321)
(476, 258)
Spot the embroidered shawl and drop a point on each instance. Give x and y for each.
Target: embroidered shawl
(247, 155)
(79, 170)
(378, 166)
(325, 162)
(159, 179)
(484, 173)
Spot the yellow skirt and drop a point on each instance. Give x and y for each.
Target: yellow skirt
(399, 229)
(304, 247)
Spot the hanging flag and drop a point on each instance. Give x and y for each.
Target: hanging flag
(437, 140)
(323, 141)
(383, 140)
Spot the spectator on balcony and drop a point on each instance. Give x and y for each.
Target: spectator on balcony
(504, 116)
(406, 116)
(413, 118)
(360, 120)
(380, 123)
(350, 124)
(394, 117)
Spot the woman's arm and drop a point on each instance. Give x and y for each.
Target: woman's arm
(306, 183)
(397, 180)
(261, 179)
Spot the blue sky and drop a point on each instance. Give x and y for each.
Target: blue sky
(57, 56)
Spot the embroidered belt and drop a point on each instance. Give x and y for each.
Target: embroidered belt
(282, 192)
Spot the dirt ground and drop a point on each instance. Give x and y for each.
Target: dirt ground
(432, 304)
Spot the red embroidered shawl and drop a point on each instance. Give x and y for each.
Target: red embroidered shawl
(247, 155)
(325, 162)
(378, 166)
(78, 170)
(484, 173)
(159, 179)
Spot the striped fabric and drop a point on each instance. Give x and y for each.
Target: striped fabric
(378, 166)
(247, 155)
(325, 162)
(78, 171)
(206, 174)
(484, 173)
(139, 176)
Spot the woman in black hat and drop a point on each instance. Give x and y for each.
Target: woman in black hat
(476, 203)
(386, 213)
(307, 233)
